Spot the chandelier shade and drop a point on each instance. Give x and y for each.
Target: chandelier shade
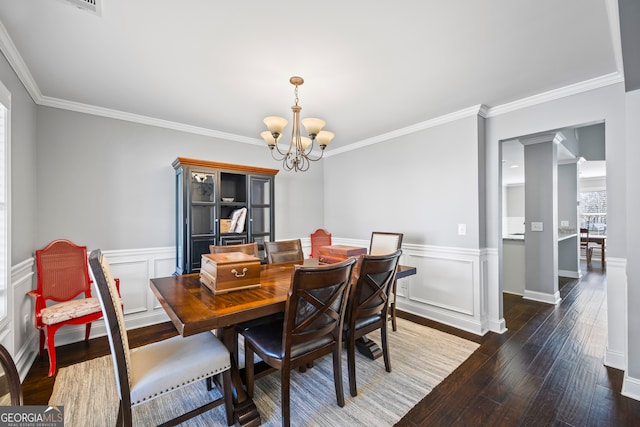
(298, 155)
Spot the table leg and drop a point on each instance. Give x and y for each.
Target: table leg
(368, 348)
(245, 412)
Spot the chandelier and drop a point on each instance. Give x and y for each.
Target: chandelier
(298, 155)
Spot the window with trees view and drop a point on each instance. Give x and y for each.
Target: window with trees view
(593, 212)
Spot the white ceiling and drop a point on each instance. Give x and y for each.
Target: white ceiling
(370, 68)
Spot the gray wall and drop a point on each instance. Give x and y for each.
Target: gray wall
(591, 142)
(541, 205)
(568, 194)
(423, 185)
(633, 249)
(110, 184)
(23, 165)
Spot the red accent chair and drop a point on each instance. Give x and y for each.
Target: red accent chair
(319, 238)
(63, 275)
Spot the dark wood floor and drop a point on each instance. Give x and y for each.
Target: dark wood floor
(546, 370)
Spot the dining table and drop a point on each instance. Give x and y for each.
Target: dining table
(193, 309)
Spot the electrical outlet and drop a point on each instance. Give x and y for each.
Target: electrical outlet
(536, 226)
(462, 229)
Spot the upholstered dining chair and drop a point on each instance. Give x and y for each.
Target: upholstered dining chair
(248, 248)
(284, 251)
(384, 243)
(320, 237)
(155, 369)
(10, 387)
(368, 307)
(63, 277)
(311, 328)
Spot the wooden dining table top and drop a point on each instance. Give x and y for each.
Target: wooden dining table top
(193, 308)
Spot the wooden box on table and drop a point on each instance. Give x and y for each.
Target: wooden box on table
(231, 271)
(337, 253)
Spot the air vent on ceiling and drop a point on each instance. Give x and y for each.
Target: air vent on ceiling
(92, 6)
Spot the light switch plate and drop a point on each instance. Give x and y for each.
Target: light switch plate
(564, 223)
(536, 226)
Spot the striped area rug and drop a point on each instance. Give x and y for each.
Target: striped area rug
(421, 358)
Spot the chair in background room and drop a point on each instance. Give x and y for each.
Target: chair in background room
(63, 276)
(312, 327)
(162, 367)
(10, 386)
(368, 307)
(586, 244)
(284, 251)
(384, 243)
(319, 238)
(248, 248)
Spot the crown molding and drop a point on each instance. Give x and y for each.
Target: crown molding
(17, 63)
(574, 89)
(146, 120)
(447, 118)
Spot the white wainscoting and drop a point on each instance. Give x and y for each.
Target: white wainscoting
(450, 286)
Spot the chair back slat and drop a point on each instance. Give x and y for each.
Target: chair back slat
(317, 303)
(284, 251)
(62, 271)
(114, 320)
(384, 243)
(370, 293)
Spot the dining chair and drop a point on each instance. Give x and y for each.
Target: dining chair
(247, 248)
(368, 307)
(384, 243)
(586, 244)
(10, 386)
(284, 251)
(63, 293)
(320, 237)
(144, 373)
(311, 328)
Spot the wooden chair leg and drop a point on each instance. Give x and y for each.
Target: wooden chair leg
(51, 349)
(228, 395)
(351, 364)
(248, 368)
(337, 373)
(285, 395)
(87, 331)
(385, 347)
(393, 307)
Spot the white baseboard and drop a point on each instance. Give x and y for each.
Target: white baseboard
(542, 297)
(569, 273)
(631, 387)
(615, 359)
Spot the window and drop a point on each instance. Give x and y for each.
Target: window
(5, 270)
(593, 212)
